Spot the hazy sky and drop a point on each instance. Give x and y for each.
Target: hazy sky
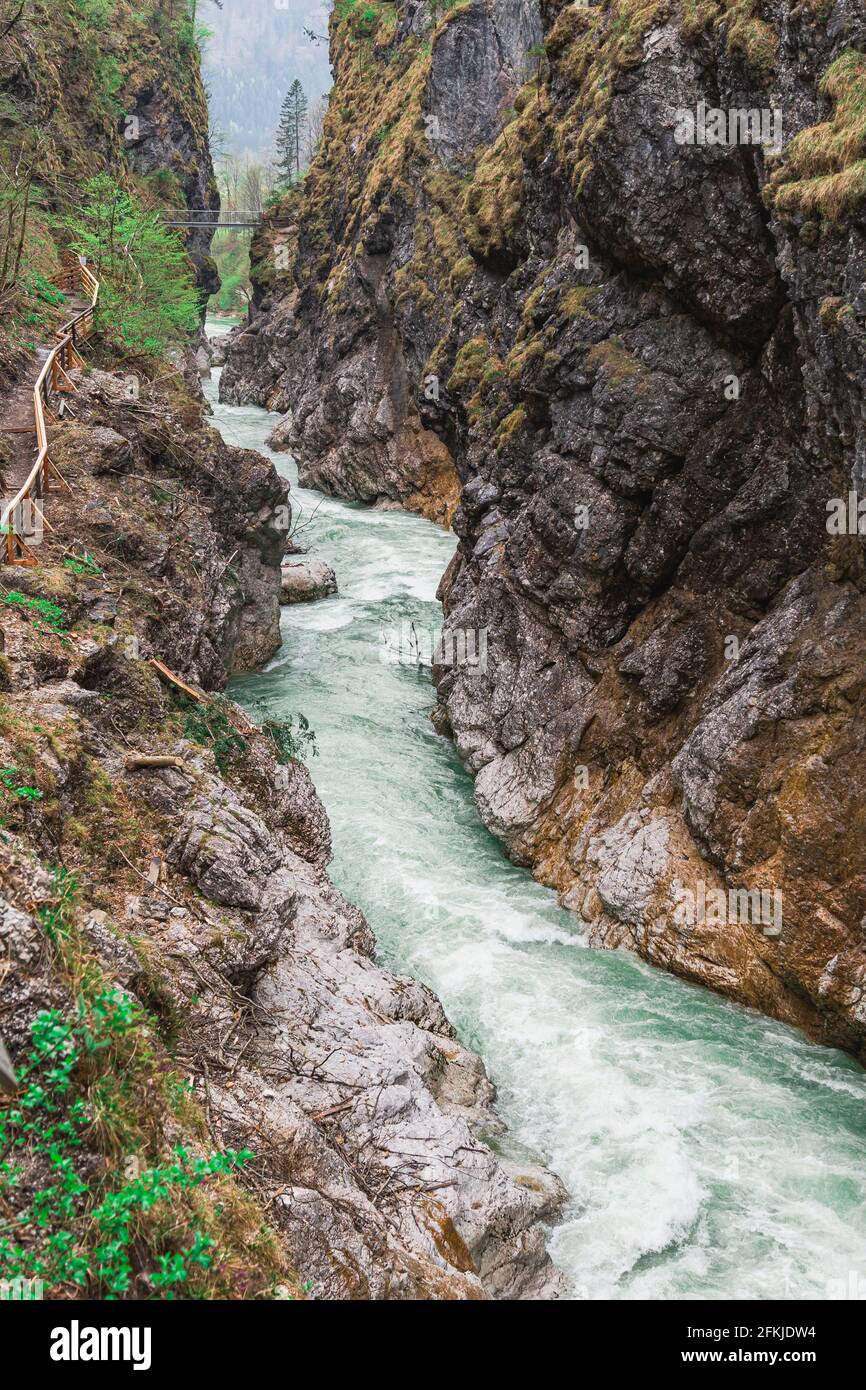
(257, 50)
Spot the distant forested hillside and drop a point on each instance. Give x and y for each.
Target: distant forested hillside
(255, 52)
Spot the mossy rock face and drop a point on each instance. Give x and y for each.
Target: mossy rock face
(91, 86)
(834, 312)
(646, 360)
(823, 169)
(618, 364)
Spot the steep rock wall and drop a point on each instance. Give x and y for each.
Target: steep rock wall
(648, 358)
(341, 281)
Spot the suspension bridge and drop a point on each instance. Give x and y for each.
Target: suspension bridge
(211, 219)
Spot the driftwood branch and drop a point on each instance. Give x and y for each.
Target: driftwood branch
(155, 760)
(333, 1110)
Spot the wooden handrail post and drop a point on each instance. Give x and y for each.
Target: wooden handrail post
(38, 484)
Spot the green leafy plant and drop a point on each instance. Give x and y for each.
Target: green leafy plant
(208, 723)
(114, 1220)
(40, 287)
(123, 1227)
(48, 1121)
(49, 613)
(10, 780)
(82, 564)
(292, 739)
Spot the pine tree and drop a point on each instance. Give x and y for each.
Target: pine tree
(293, 120)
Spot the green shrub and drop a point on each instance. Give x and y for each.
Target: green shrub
(48, 1120)
(147, 1219)
(148, 297)
(291, 739)
(209, 724)
(41, 608)
(11, 782)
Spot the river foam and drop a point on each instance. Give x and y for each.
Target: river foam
(710, 1153)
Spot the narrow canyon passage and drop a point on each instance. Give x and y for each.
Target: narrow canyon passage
(709, 1152)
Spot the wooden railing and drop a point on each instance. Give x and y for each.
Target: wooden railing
(53, 381)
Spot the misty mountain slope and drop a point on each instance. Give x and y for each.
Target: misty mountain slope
(256, 50)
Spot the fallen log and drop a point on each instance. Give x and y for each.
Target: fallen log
(155, 760)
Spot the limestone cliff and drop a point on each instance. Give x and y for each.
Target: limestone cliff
(638, 344)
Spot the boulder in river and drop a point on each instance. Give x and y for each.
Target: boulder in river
(217, 349)
(304, 580)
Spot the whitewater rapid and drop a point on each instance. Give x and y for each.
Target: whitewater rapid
(709, 1152)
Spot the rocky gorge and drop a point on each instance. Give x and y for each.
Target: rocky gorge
(629, 370)
(210, 1086)
(559, 336)
(346, 1081)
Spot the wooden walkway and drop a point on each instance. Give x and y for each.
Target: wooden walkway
(26, 415)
